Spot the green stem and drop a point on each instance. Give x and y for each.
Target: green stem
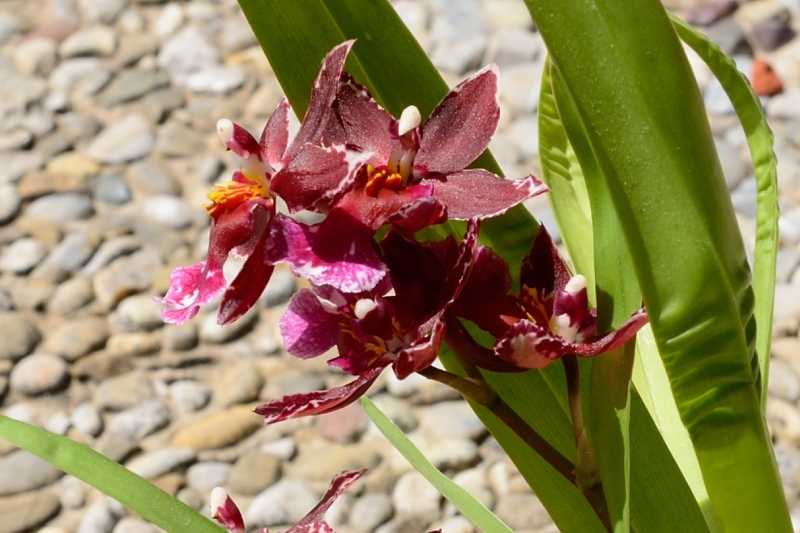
(586, 474)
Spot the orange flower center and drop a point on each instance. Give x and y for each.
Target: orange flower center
(382, 178)
(537, 306)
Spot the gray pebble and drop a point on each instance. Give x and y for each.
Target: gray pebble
(134, 47)
(132, 85)
(397, 411)
(138, 313)
(785, 105)
(217, 80)
(783, 382)
(125, 276)
(111, 250)
(162, 461)
(132, 524)
(511, 47)
(101, 516)
(522, 511)
(103, 12)
(73, 492)
(452, 419)
(254, 471)
(180, 338)
(92, 41)
(203, 477)
(15, 140)
(733, 168)
(124, 391)
(81, 77)
(370, 511)
(140, 421)
(53, 144)
(190, 395)
(14, 165)
(71, 296)
(285, 502)
(729, 36)
(39, 373)
(744, 197)
(27, 512)
(78, 127)
(76, 338)
(69, 255)
(188, 51)
(128, 139)
(10, 203)
(241, 383)
(22, 255)
(414, 497)
(18, 93)
(21, 471)
(772, 33)
(59, 423)
(60, 207)
(237, 34)
(169, 211)
(216, 334)
(282, 285)
(152, 177)
(176, 140)
(519, 87)
(284, 449)
(87, 419)
(111, 189)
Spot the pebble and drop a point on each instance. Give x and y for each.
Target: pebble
(73, 492)
(180, 338)
(187, 52)
(78, 127)
(101, 516)
(168, 211)
(203, 477)
(76, 338)
(216, 80)
(414, 497)
(241, 383)
(218, 430)
(138, 313)
(69, 255)
(111, 189)
(15, 164)
(72, 165)
(140, 421)
(125, 276)
(160, 462)
(80, 77)
(39, 373)
(254, 471)
(314, 466)
(60, 208)
(10, 203)
(189, 395)
(152, 177)
(285, 502)
(71, 296)
(344, 425)
(132, 85)
(21, 471)
(176, 140)
(784, 105)
(35, 56)
(370, 511)
(27, 512)
(92, 41)
(22, 255)
(213, 333)
(124, 391)
(87, 419)
(772, 33)
(127, 139)
(131, 524)
(521, 511)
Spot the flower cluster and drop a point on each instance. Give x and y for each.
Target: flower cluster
(379, 295)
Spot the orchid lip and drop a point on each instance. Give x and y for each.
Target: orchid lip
(363, 307)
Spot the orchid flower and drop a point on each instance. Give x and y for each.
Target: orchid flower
(548, 319)
(243, 209)
(399, 323)
(225, 511)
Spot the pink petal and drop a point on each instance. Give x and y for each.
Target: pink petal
(308, 330)
(530, 345)
(318, 402)
(322, 96)
(462, 125)
(314, 527)
(226, 512)
(479, 193)
(338, 485)
(189, 288)
(241, 142)
(337, 252)
(245, 290)
(275, 136)
(615, 339)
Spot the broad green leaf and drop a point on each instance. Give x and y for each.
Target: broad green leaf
(113, 479)
(642, 111)
(463, 500)
(759, 140)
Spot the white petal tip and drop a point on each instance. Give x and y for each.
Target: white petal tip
(218, 497)
(363, 307)
(225, 130)
(409, 120)
(575, 284)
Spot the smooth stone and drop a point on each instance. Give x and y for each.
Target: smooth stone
(78, 127)
(81, 77)
(189, 396)
(237, 35)
(71, 296)
(39, 373)
(109, 251)
(284, 449)
(132, 524)
(14, 165)
(519, 88)
(254, 471)
(69, 256)
(170, 243)
(241, 383)
(784, 106)
(27, 512)
(783, 381)
(158, 104)
(92, 41)
(729, 36)
(218, 430)
(370, 511)
(343, 425)
(522, 511)
(213, 333)
(311, 465)
(292, 383)
(135, 46)
(452, 419)
(461, 524)
(37, 184)
(125, 276)
(60, 207)
(152, 177)
(414, 496)
(10, 203)
(733, 168)
(285, 502)
(111, 189)
(772, 33)
(76, 338)
(474, 481)
(22, 256)
(176, 140)
(18, 93)
(87, 419)
(73, 493)
(707, 14)
(744, 197)
(101, 366)
(138, 313)
(17, 139)
(503, 15)
(512, 47)
(101, 516)
(127, 139)
(131, 85)
(180, 338)
(784, 421)
(35, 56)
(53, 144)
(217, 80)
(169, 211)
(397, 411)
(31, 294)
(21, 471)
(203, 477)
(59, 423)
(445, 453)
(160, 462)
(101, 12)
(188, 51)
(124, 391)
(282, 285)
(134, 344)
(73, 165)
(140, 421)
(169, 20)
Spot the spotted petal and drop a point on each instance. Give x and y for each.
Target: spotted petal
(307, 328)
(479, 193)
(190, 288)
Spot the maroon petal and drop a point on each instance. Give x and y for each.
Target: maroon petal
(237, 139)
(317, 175)
(479, 193)
(314, 527)
(614, 339)
(322, 96)
(543, 269)
(375, 211)
(275, 136)
(424, 212)
(529, 345)
(317, 402)
(338, 252)
(357, 119)
(245, 290)
(462, 125)
(422, 353)
(459, 339)
(307, 328)
(338, 485)
(225, 511)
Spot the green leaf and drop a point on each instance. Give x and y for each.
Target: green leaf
(759, 140)
(463, 500)
(643, 114)
(113, 479)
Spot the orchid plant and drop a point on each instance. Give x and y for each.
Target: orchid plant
(627, 383)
